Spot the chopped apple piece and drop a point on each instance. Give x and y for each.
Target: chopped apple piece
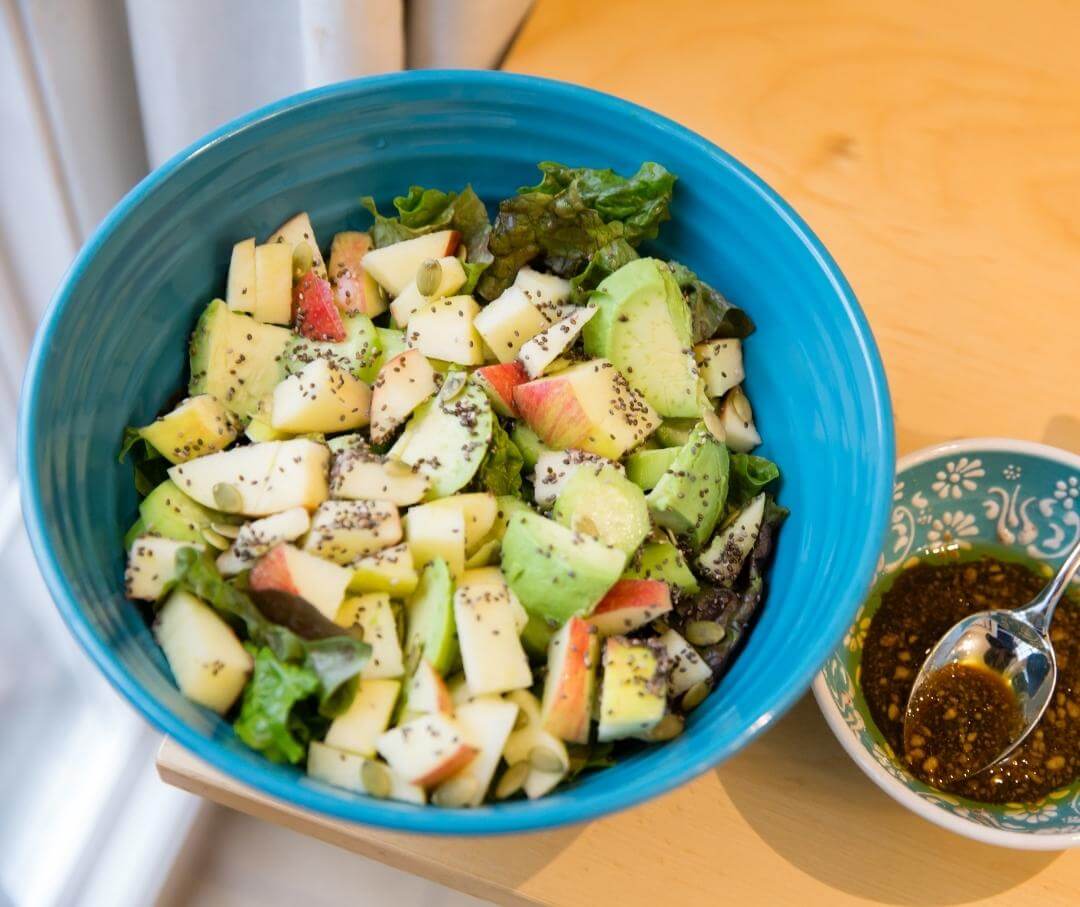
(359, 726)
(394, 266)
(547, 346)
(259, 536)
(358, 473)
(258, 479)
(444, 330)
(589, 406)
(360, 775)
(489, 723)
(687, 667)
(426, 692)
(297, 229)
(436, 532)
(209, 663)
(508, 322)
(498, 382)
(322, 397)
(375, 616)
(288, 569)
(478, 510)
(570, 686)
(480, 575)
(451, 279)
(487, 634)
(240, 289)
(532, 744)
(152, 566)
(720, 364)
(355, 291)
(342, 531)
(273, 284)
(390, 570)
(403, 384)
(548, 292)
(428, 749)
(629, 604)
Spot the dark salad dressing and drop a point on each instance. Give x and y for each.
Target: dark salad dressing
(917, 606)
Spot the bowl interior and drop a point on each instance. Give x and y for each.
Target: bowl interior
(112, 351)
(1024, 501)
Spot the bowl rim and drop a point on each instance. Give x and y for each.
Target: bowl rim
(896, 789)
(535, 815)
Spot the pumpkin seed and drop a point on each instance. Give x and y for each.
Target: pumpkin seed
(668, 728)
(376, 779)
(229, 530)
(704, 632)
(302, 259)
(428, 277)
(227, 497)
(713, 424)
(693, 697)
(546, 760)
(453, 384)
(455, 792)
(412, 660)
(741, 404)
(512, 781)
(214, 540)
(522, 720)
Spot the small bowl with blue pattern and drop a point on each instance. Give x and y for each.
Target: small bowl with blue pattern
(994, 492)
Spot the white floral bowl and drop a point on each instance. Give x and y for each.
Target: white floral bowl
(1014, 493)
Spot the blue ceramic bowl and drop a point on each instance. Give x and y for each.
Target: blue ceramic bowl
(111, 350)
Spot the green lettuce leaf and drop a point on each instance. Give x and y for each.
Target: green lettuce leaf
(570, 215)
(266, 721)
(641, 202)
(605, 261)
(150, 467)
(500, 473)
(712, 315)
(335, 661)
(749, 476)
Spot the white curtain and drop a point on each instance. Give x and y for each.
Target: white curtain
(93, 93)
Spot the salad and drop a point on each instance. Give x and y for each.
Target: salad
(465, 508)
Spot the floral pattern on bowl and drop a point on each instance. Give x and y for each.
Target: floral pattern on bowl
(1021, 495)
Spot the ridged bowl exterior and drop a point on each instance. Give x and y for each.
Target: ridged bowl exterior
(112, 349)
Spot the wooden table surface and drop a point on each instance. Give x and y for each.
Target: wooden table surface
(935, 148)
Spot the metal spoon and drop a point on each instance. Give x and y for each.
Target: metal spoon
(1012, 644)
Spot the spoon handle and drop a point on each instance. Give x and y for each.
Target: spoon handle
(1040, 612)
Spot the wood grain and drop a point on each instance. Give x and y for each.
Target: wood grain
(935, 148)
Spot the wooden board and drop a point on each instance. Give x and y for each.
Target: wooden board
(935, 148)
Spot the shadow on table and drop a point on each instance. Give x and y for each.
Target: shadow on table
(868, 845)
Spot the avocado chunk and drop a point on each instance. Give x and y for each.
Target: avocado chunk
(724, 557)
(604, 504)
(430, 629)
(236, 359)
(663, 561)
(170, 513)
(675, 432)
(633, 698)
(199, 425)
(556, 572)
(506, 505)
(643, 327)
(447, 438)
(536, 636)
(689, 497)
(646, 467)
(358, 353)
(529, 443)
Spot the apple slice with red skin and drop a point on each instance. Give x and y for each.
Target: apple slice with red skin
(427, 691)
(286, 568)
(315, 314)
(498, 382)
(570, 687)
(403, 384)
(355, 291)
(629, 604)
(427, 749)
